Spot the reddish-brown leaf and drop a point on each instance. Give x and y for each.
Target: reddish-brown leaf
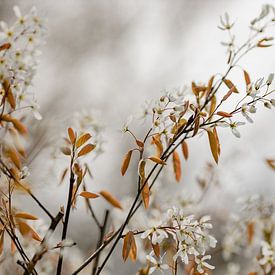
(145, 194)
(185, 150)
(230, 85)
(25, 215)
(271, 163)
(71, 135)
(228, 94)
(246, 78)
(27, 230)
(213, 145)
(125, 162)
(82, 139)
(250, 232)
(88, 195)
(156, 140)
(129, 246)
(86, 149)
(210, 85)
(224, 114)
(157, 160)
(110, 198)
(177, 165)
(5, 46)
(139, 143)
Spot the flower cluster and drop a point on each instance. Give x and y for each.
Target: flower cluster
(19, 46)
(188, 237)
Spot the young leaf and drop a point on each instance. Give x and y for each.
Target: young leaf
(88, 195)
(71, 135)
(250, 232)
(271, 163)
(185, 150)
(25, 215)
(13, 155)
(156, 249)
(212, 105)
(218, 141)
(228, 94)
(156, 140)
(224, 114)
(86, 149)
(26, 230)
(139, 143)
(82, 139)
(126, 162)
(5, 46)
(19, 126)
(213, 145)
(110, 198)
(246, 78)
(177, 165)
(145, 194)
(210, 85)
(129, 246)
(157, 160)
(230, 85)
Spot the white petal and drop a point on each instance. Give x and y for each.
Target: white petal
(17, 11)
(152, 269)
(236, 133)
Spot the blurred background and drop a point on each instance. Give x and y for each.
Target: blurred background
(112, 56)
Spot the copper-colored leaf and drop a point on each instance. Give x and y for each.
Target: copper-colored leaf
(230, 85)
(27, 230)
(197, 89)
(86, 149)
(157, 141)
(213, 145)
(14, 156)
(177, 165)
(129, 246)
(212, 105)
(71, 135)
(224, 114)
(19, 126)
(228, 94)
(126, 162)
(185, 150)
(156, 249)
(141, 169)
(157, 160)
(25, 215)
(110, 198)
(13, 247)
(271, 163)
(82, 139)
(217, 138)
(5, 46)
(145, 194)
(210, 85)
(88, 195)
(139, 143)
(250, 232)
(9, 94)
(197, 125)
(246, 78)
